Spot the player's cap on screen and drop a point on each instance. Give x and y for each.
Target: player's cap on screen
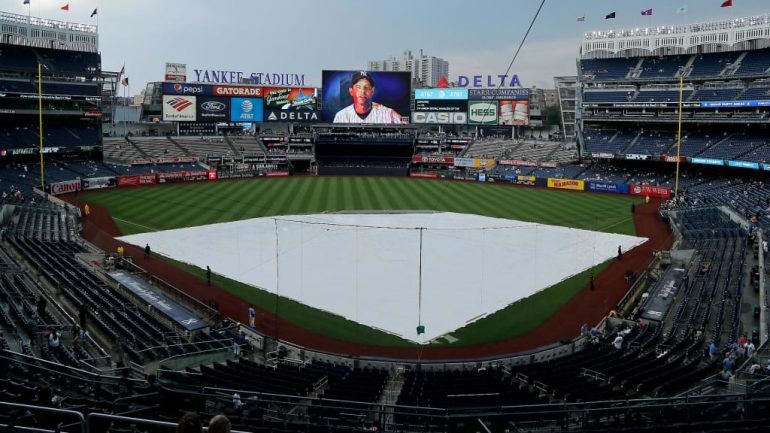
(361, 75)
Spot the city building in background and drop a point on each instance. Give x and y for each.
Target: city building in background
(426, 70)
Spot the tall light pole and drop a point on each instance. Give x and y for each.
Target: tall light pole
(40, 118)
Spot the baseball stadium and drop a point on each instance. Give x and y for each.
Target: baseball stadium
(250, 253)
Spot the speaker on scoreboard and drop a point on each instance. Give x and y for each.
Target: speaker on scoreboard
(420, 329)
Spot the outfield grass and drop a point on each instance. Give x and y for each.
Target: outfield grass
(138, 210)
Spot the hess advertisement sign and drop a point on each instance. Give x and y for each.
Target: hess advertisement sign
(482, 113)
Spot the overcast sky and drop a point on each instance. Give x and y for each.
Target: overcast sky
(477, 37)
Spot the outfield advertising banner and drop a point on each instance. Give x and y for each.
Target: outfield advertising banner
(520, 180)
(441, 94)
(213, 109)
(182, 176)
(650, 190)
(65, 187)
(440, 111)
(136, 180)
(179, 108)
(366, 97)
(474, 163)
(425, 175)
(707, 161)
(440, 118)
(246, 110)
(482, 112)
(99, 182)
(577, 185)
(601, 186)
(433, 159)
(290, 104)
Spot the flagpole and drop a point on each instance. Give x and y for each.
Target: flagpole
(679, 133)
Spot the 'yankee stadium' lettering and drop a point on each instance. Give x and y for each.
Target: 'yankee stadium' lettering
(237, 77)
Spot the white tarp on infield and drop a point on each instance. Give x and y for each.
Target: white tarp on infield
(365, 266)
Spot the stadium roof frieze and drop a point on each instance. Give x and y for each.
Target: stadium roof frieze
(723, 35)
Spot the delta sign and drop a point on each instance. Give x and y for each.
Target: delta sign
(480, 81)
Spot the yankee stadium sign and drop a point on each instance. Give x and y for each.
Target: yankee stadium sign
(238, 77)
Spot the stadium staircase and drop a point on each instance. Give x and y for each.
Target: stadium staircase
(138, 148)
(179, 146)
(730, 69)
(231, 145)
(636, 71)
(631, 143)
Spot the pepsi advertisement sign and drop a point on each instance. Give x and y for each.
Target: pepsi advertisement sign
(213, 109)
(246, 110)
(186, 89)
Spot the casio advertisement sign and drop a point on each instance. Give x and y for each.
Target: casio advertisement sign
(449, 118)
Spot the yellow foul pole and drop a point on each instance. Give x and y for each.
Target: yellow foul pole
(40, 117)
(679, 134)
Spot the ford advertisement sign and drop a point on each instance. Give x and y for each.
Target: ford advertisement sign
(213, 109)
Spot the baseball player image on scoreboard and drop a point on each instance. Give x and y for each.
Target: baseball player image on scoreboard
(363, 109)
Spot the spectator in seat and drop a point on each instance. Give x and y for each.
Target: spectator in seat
(219, 424)
(189, 423)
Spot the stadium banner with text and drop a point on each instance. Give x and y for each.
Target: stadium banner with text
(743, 164)
(482, 112)
(602, 155)
(637, 156)
(601, 186)
(548, 164)
(136, 180)
(187, 89)
(290, 104)
(577, 185)
(707, 161)
(433, 94)
(239, 174)
(427, 159)
(514, 94)
(246, 110)
(513, 113)
(176, 72)
(65, 187)
(182, 176)
(440, 111)
(666, 158)
(519, 179)
(179, 108)
(765, 167)
(728, 104)
(100, 182)
(213, 109)
(424, 175)
(650, 190)
(277, 173)
(375, 97)
(517, 162)
(474, 162)
(197, 89)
